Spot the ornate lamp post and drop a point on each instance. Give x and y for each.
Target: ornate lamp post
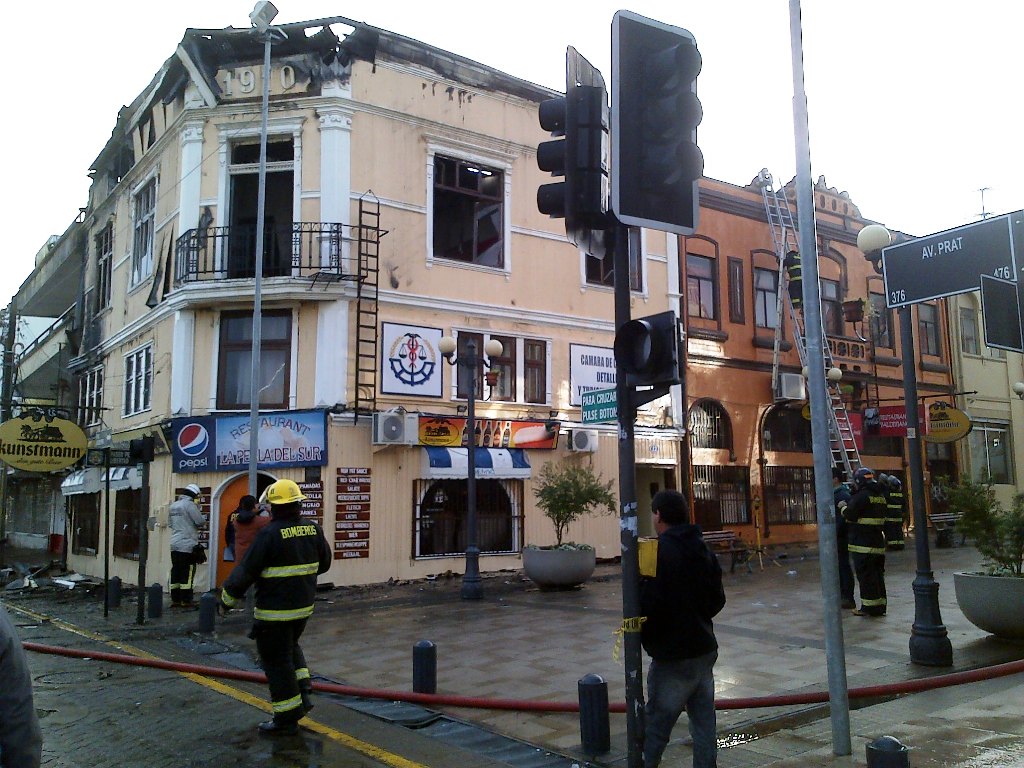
(929, 641)
(471, 362)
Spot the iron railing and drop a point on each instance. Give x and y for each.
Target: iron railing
(301, 249)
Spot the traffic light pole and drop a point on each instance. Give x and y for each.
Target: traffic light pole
(628, 524)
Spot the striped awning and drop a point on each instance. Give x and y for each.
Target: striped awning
(452, 463)
(122, 478)
(81, 481)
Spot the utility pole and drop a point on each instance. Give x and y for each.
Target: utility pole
(6, 405)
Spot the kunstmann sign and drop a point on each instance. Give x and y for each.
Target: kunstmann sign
(38, 444)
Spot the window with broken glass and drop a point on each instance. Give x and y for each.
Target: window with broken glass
(138, 380)
(144, 220)
(468, 215)
(90, 397)
(234, 363)
(104, 261)
(85, 523)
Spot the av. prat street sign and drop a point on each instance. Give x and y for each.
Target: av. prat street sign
(953, 261)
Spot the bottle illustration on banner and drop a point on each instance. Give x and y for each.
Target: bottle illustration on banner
(465, 435)
(488, 431)
(476, 437)
(506, 436)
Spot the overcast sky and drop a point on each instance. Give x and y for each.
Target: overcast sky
(915, 105)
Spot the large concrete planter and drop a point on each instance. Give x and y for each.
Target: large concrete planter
(558, 568)
(992, 603)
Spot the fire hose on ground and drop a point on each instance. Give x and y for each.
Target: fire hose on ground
(526, 705)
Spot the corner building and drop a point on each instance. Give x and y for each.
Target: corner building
(400, 209)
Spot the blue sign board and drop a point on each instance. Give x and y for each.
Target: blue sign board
(221, 443)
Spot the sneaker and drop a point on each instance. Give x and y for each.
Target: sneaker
(276, 728)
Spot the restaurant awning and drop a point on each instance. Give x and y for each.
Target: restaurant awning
(122, 478)
(452, 463)
(81, 481)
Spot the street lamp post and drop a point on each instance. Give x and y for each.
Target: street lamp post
(262, 14)
(929, 641)
(471, 362)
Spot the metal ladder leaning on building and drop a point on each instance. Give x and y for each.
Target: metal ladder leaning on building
(785, 238)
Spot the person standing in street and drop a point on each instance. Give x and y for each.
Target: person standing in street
(679, 603)
(185, 520)
(21, 740)
(866, 514)
(243, 524)
(283, 562)
(894, 519)
(841, 497)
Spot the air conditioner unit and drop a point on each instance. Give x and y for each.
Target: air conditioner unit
(792, 387)
(396, 428)
(583, 440)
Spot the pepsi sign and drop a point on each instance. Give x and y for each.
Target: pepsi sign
(192, 447)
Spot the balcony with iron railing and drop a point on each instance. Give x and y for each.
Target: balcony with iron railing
(315, 250)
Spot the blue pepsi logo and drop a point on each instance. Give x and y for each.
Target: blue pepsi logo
(193, 439)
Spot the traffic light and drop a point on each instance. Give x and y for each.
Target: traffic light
(647, 350)
(141, 450)
(656, 163)
(579, 154)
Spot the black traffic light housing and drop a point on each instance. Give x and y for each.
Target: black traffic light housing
(141, 450)
(578, 153)
(647, 350)
(656, 163)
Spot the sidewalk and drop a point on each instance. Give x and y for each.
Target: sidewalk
(521, 643)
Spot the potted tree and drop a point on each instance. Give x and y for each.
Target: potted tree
(565, 492)
(993, 599)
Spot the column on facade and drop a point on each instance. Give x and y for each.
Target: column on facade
(335, 182)
(331, 353)
(183, 362)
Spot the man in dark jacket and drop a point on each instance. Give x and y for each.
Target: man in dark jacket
(21, 741)
(866, 514)
(894, 519)
(679, 603)
(841, 497)
(283, 562)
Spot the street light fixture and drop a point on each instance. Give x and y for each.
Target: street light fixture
(471, 362)
(262, 14)
(929, 640)
(1018, 389)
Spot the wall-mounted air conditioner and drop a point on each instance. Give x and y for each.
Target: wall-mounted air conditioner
(791, 387)
(396, 428)
(583, 440)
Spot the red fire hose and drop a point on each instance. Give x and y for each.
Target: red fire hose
(523, 705)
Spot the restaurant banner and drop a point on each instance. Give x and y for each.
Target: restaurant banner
(221, 443)
(892, 420)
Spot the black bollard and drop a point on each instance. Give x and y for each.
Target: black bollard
(887, 752)
(114, 592)
(595, 734)
(208, 612)
(424, 667)
(156, 601)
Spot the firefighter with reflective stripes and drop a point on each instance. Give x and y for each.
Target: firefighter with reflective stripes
(894, 517)
(283, 562)
(794, 274)
(866, 512)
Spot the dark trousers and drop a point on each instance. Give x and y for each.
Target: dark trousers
(870, 570)
(285, 667)
(845, 570)
(183, 573)
(894, 533)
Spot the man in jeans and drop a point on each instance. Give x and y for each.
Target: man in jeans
(679, 603)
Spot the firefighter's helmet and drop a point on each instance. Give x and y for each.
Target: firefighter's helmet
(284, 492)
(863, 476)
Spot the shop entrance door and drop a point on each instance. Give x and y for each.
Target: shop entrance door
(229, 498)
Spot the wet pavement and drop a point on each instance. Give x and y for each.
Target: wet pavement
(521, 643)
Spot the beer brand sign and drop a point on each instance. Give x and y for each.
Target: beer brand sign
(39, 444)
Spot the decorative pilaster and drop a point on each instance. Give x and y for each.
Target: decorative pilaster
(183, 362)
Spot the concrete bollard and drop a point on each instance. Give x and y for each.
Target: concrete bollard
(887, 752)
(156, 601)
(595, 734)
(114, 592)
(208, 612)
(424, 667)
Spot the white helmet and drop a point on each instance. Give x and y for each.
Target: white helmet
(193, 490)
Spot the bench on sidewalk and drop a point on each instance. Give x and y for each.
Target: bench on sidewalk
(727, 542)
(944, 524)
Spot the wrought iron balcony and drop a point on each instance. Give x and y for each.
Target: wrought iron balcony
(847, 350)
(301, 249)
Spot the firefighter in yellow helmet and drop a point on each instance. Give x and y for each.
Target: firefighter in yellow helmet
(283, 562)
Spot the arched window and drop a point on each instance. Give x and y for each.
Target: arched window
(709, 426)
(441, 516)
(785, 429)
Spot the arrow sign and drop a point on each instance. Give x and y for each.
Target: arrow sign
(953, 261)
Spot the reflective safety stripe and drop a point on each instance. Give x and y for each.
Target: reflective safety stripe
(866, 550)
(869, 521)
(287, 705)
(264, 614)
(304, 569)
(302, 673)
(227, 599)
(875, 601)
